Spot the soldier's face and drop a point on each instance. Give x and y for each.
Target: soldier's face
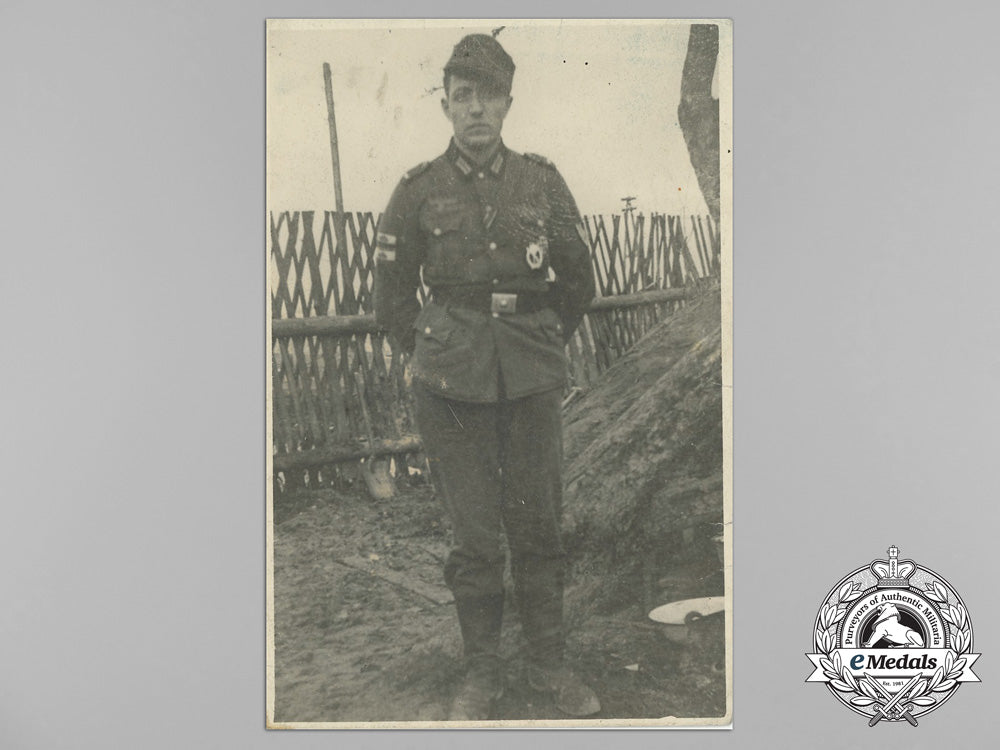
(476, 111)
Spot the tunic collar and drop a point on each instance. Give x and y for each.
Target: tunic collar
(466, 168)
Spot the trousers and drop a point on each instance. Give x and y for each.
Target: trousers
(498, 469)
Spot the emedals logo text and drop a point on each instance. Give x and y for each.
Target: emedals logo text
(893, 641)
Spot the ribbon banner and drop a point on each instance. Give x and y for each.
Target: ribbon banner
(888, 663)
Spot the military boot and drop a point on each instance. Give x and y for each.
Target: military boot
(480, 619)
(481, 688)
(540, 606)
(570, 694)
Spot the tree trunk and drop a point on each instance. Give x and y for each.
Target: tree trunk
(698, 111)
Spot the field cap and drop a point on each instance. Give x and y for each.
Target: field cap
(481, 56)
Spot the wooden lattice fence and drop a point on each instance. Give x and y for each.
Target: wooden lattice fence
(338, 393)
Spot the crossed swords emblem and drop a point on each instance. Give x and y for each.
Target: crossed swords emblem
(894, 705)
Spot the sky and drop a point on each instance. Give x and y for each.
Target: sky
(599, 99)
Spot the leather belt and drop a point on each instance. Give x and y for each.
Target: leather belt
(498, 303)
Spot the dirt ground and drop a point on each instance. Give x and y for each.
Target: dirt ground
(352, 646)
(366, 632)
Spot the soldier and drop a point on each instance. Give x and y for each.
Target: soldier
(500, 243)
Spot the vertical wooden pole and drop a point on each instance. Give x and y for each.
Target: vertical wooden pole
(339, 230)
(334, 153)
(338, 194)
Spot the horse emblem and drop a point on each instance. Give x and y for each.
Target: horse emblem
(889, 627)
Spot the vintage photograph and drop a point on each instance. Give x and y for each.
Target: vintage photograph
(499, 387)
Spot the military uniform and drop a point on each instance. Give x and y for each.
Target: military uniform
(489, 241)
(503, 251)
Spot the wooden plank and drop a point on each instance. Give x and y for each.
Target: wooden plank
(324, 325)
(641, 298)
(354, 450)
(349, 325)
(436, 594)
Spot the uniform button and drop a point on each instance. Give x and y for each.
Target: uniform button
(496, 315)
(493, 246)
(541, 222)
(496, 281)
(437, 231)
(427, 329)
(503, 303)
(481, 175)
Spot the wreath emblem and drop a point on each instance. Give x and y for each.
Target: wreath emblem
(893, 641)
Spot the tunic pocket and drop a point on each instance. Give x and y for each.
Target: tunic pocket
(435, 335)
(439, 339)
(444, 228)
(550, 327)
(554, 331)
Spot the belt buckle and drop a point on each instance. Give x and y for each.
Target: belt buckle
(503, 303)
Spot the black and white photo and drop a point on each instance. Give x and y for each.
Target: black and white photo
(499, 335)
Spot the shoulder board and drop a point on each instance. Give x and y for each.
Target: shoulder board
(538, 159)
(417, 170)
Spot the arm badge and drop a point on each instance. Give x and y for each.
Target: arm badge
(385, 248)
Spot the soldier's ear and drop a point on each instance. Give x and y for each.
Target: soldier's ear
(444, 107)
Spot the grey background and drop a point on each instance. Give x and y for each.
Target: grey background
(132, 542)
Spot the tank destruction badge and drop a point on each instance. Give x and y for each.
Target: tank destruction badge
(893, 641)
